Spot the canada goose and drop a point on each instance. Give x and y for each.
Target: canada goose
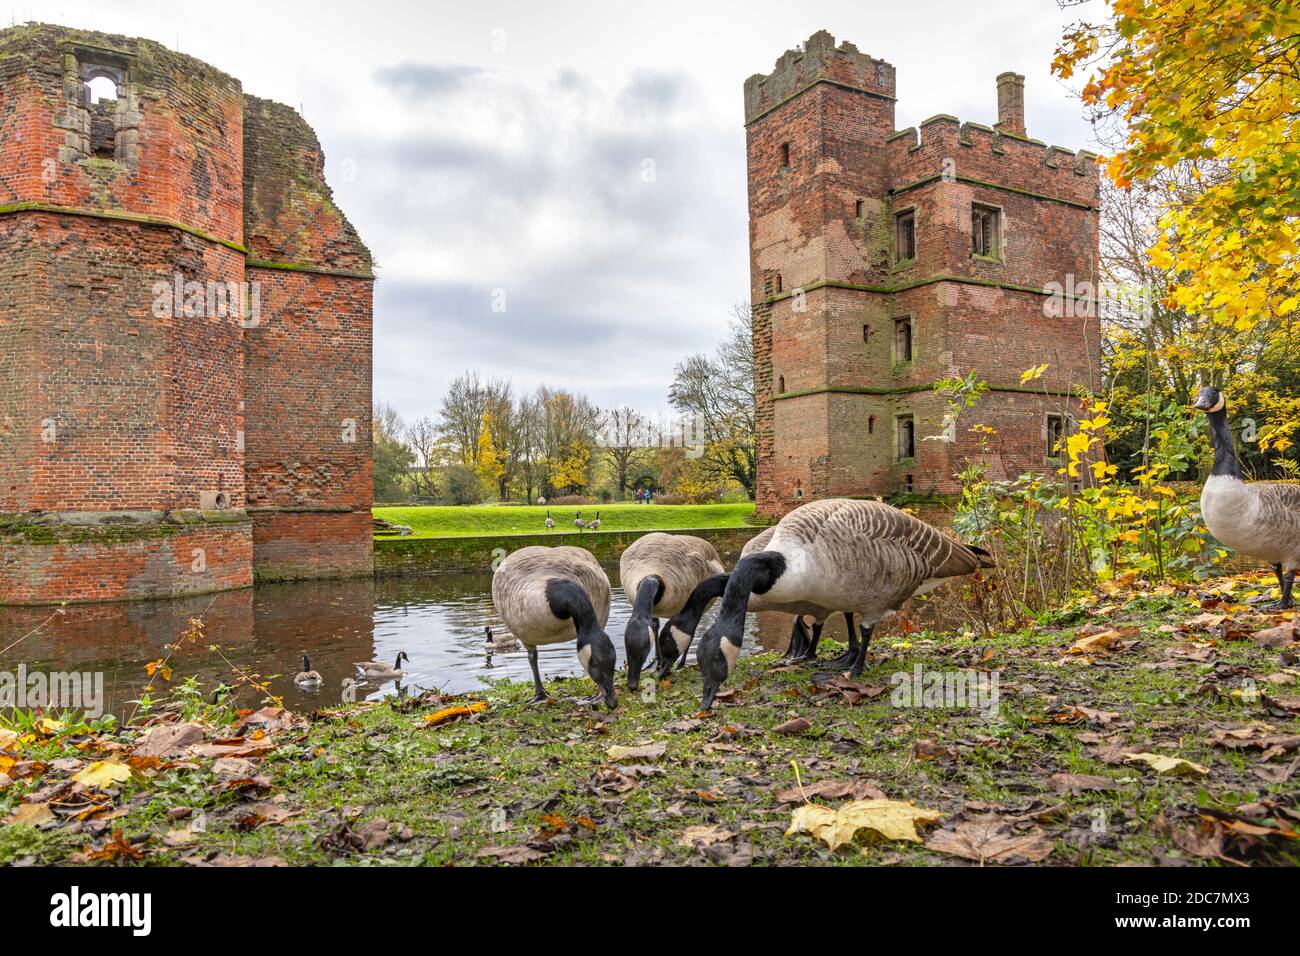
(1258, 518)
(549, 595)
(679, 630)
(578, 522)
(377, 670)
(676, 635)
(860, 556)
(594, 525)
(498, 642)
(550, 522)
(659, 572)
(307, 678)
(803, 645)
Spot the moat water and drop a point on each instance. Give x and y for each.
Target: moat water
(437, 620)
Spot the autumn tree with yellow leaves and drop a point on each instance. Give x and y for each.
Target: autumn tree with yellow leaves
(1206, 96)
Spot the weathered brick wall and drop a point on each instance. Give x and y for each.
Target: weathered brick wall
(308, 392)
(151, 250)
(51, 563)
(827, 290)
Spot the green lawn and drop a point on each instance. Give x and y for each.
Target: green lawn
(460, 522)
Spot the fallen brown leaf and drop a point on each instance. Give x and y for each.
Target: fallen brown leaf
(987, 839)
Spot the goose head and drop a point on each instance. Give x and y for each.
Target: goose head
(1210, 400)
(598, 661)
(675, 637)
(306, 663)
(716, 656)
(638, 638)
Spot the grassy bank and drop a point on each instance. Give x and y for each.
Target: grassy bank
(468, 521)
(1045, 779)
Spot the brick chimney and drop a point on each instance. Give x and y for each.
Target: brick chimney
(1011, 103)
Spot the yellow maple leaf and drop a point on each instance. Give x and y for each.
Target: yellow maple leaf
(1163, 764)
(102, 774)
(889, 819)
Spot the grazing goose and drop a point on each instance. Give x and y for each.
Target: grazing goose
(578, 522)
(1258, 518)
(498, 642)
(378, 670)
(550, 522)
(803, 645)
(679, 630)
(659, 572)
(307, 678)
(549, 595)
(860, 556)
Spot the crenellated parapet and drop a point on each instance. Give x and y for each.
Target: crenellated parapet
(817, 60)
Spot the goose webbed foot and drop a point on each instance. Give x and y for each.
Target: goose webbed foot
(539, 699)
(846, 659)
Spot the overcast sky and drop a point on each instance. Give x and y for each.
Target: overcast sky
(482, 146)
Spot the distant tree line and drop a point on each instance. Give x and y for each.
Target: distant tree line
(490, 441)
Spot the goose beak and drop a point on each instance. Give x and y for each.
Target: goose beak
(710, 691)
(611, 699)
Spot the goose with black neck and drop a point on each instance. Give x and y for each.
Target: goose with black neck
(1257, 518)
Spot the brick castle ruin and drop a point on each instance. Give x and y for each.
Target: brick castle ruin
(883, 261)
(185, 332)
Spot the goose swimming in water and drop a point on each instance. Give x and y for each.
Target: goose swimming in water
(659, 572)
(1258, 518)
(378, 670)
(307, 678)
(864, 557)
(550, 595)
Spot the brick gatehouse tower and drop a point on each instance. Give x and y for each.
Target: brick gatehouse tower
(185, 331)
(883, 261)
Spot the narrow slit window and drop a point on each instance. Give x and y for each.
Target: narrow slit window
(986, 231)
(1055, 435)
(905, 236)
(906, 437)
(866, 333)
(871, 424)
(785, 155)
(857, 209)
(780, 384)
(903, 339)
(776, 283)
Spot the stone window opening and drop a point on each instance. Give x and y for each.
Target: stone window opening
(906, 427)
(871, 424)
(776, 284)
(101, 108)
(857, 209)
(785, 157)
(100, 89)
(905, 236)
(986, 231)
(903, 339)
(866, 334)
(780, 384)
(102, 118)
